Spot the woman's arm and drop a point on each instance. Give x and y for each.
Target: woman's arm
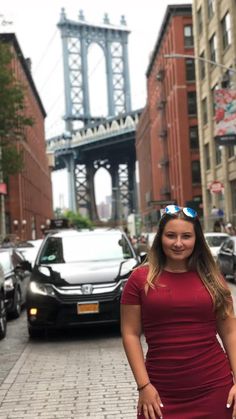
(131, 328)
(227, 332)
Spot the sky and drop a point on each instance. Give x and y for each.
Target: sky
(35, 26)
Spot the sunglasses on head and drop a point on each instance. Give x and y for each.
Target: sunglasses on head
(174, 209)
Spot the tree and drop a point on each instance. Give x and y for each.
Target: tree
(77, 220)
(13, 118)
(13, 121)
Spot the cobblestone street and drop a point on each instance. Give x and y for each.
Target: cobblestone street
(70, 376)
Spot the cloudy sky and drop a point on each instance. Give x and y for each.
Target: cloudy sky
(35, 25)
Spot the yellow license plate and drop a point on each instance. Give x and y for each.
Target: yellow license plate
(87, 308)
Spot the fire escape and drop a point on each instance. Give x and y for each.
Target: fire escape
(163, 162)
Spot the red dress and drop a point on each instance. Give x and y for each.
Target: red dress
(185, 361)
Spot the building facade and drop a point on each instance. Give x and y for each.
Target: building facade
(215, 41)
(28, 203)
(167, 135)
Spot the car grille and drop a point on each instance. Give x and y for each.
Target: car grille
(104, 292)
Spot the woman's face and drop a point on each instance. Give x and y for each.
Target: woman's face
(178, 240)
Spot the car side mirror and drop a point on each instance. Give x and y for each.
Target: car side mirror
(142, 256)
(25, 265)
(228, 250)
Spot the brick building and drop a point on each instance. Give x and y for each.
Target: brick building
(215, 41)
(167, 135)
(28, 202)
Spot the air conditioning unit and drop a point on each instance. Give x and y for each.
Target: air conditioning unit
(160, 75)
(161, 104)
(163, 133)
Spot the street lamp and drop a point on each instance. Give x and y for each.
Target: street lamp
(15, 224)
(23, 227)
(196, 57)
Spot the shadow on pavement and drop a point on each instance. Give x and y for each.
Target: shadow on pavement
(85, 333)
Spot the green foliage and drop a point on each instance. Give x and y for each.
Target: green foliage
(12, 114)
(12, 161)
(77, 220)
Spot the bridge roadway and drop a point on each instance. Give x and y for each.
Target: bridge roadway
(113, 138)
(109, 144)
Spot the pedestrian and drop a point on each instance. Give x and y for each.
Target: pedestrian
(214, 211)
(229, 229)
(180, 301)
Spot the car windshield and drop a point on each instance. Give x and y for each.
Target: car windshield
(215, 241)
(85, 248)
(5, 261)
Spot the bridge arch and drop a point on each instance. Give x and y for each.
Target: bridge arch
(97, 80)
(77, 37)
(93, 136)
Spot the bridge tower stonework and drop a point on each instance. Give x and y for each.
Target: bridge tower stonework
(77, 36)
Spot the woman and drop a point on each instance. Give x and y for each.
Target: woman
(180, 301)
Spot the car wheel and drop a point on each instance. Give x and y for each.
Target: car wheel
(3, 318)
(35, 333)
(17, 304)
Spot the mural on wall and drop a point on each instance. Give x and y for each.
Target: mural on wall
(225, 116)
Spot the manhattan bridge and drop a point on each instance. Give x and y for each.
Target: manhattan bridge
(91, 142)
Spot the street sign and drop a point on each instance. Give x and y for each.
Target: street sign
(3, 189)
(216, 187)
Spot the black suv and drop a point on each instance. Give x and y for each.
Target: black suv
(3, 314)
(78, 278)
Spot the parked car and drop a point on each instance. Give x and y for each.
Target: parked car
(78, 278)
(16, 279)
(214, 241)
(227, 258)
(29, 249)
(3, 313)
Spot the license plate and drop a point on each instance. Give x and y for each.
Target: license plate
(86, 308)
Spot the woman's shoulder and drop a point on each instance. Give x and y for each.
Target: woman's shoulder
(139, 275)
(134, 286)
(141, 271)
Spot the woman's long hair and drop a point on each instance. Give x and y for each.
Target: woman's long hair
(201, 261)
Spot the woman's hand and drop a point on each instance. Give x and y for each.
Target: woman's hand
(149, 403)
(231, 401)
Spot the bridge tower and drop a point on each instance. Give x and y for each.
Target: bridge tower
(77, 36)
(76, 40)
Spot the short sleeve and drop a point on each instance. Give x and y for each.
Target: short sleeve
(134, 287)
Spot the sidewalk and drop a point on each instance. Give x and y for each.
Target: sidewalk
(70, 379)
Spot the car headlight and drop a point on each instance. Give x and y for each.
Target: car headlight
(42, 289)
(122, 284)
(8, 284)
(127, 267)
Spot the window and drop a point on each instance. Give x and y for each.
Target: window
(213, 98)
(232, 150)
(204, 111)
(213, 46)
(199, 20)
(193, 137)
(192, 103)
(207, 157)
(218, 153)
(226, 80)
(202, 68)
(188, 36)
(190, 70)
(211, 8)
(226, 31)
(196, 172)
